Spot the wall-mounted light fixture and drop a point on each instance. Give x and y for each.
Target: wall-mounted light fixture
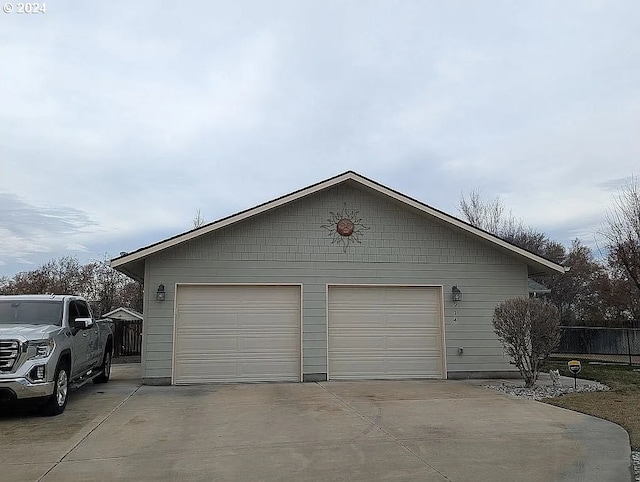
(161, 293)
(456, 294)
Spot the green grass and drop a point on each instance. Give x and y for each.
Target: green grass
(620, 405)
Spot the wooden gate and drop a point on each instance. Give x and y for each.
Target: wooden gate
(127, 338)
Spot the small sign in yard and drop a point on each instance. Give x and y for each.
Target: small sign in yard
(574, 367)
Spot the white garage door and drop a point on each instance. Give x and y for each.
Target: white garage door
(237, 334)
(385, 332)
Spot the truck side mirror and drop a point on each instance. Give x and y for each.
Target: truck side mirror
(82, 323)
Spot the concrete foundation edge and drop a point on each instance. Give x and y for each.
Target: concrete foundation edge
(314, 377)
(479, 375)
(156, 381)
(322, 377)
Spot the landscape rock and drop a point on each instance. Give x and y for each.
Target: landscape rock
(539, 392)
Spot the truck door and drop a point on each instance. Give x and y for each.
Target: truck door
(94, 353)
(80, 339)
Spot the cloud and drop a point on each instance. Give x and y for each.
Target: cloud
(615, 184)
(121, 119)
(29, 229)
(79, 248)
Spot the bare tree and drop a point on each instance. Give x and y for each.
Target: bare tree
(592, 292)
(492, 216)
(622, 231)
(482, 214)
(110, 289)
(198, 219)
(104, 287)
(58, 276)
(580, 294)
(529, 330)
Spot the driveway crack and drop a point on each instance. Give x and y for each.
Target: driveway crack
(115, 409)
(374, 422)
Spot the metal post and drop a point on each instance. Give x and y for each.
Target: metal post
(629, 346)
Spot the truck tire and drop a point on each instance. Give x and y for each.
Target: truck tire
(105, 368)
(57, 402)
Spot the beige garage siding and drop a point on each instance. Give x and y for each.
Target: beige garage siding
(389, 332)
(237, 333)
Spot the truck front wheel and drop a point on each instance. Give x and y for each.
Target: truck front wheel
(56, 404)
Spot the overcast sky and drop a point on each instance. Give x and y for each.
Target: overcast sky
(119, 119)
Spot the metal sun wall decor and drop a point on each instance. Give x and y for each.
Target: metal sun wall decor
(345, 227)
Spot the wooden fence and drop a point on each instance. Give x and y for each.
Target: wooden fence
(127, 337)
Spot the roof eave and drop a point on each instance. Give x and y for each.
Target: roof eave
(531, 259)
(235, 218)
(124, 269)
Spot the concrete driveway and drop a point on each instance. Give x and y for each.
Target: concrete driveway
(373, 430)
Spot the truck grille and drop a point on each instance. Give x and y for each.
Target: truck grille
(9, 352)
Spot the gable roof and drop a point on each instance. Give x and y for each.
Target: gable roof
(129, 311)
(132, 264)
(537, 288)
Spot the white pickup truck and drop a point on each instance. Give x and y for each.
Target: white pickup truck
(49, 344)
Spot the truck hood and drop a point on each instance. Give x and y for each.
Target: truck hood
(30, 332)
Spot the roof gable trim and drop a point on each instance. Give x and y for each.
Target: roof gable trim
(462, 225)
(349, 175)
(235, 218)
(129, 311)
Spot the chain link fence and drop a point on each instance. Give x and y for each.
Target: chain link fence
(614, 345)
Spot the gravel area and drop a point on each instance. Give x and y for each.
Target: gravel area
(546, 391)
(549, 391)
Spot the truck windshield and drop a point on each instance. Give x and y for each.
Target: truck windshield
(30, 312)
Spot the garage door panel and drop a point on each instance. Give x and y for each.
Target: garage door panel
(228, 294)
(411, 317)
(247, 344)
(194, 371)
(384, 332)
(392, 367)
(202, 321)
(349, 342)
(203, 344)
(358, 343)
(229, 372)
(237, 333)
(259, 369)
(411, 343)
(280, 343)
(387, 294)
(389, 354)
(416, 367)
(279, 319)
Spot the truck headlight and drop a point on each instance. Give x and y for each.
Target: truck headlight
(40, 349)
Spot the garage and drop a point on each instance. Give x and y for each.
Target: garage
(237, 333)
(343, 279)
(383, 332)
